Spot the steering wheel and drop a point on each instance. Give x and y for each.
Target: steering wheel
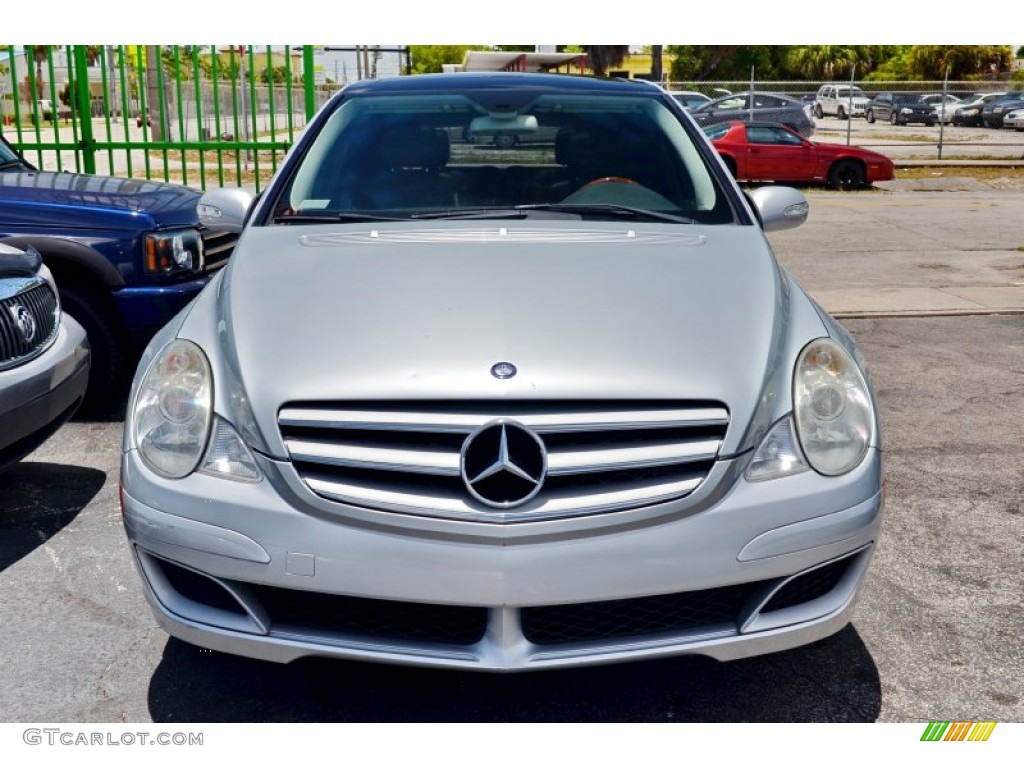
(609, 180)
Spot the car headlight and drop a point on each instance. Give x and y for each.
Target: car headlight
(832, 408)
(174, 251)
(173, 409)
(907, 111)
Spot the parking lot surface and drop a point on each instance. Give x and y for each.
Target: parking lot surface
(936, 634)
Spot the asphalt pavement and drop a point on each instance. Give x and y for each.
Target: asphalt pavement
(944, 245)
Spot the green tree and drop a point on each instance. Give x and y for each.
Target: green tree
(827, 62)
(963, 62)
(429, 58)
(726, 62)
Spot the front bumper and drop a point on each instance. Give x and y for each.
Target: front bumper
(255, 570)
(146, 309)
(38, 397)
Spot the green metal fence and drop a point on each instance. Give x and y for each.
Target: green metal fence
(198, 115)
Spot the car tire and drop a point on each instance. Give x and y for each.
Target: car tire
(894, 119)
(107, 343)
(846, 175)
(840, 112)
(818, 111)
(929, 123)
(870, 116)
(730, 164)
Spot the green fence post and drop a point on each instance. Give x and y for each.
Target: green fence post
(83, 97)
(308, 79)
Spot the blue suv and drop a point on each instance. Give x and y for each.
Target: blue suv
(126, 254)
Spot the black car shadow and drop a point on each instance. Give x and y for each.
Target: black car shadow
(833, 680)
(37, 500)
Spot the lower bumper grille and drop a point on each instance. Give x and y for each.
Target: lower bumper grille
(332, 618)
(363, 617)
(636, 617)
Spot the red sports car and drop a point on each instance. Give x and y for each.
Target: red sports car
(772, 152)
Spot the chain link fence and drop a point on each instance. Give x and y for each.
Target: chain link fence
(949, 136)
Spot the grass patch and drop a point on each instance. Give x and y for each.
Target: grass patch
(981, 173)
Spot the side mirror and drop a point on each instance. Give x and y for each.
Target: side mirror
(779, 207)
(225, 208)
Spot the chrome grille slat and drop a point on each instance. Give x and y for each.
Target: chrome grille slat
(406, 457)
(467, 422)
(607, 460)
(425, 462)
(440, 504)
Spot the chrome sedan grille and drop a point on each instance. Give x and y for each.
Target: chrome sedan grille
(218, 245)
(28, 319)
(406, 457)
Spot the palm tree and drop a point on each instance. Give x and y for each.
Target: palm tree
(657, 69)
(601, 58)
(40, 53)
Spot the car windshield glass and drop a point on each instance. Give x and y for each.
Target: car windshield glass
(845, 93)
(8, 155)
(404, 155)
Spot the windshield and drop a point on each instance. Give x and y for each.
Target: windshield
(446, 155)
(845, 93)
(8, 155)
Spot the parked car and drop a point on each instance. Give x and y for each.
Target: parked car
(900, 109)
(773, 152)
(1014, 119)
(944, 107)
(127, 255)
(455, 406)
(766, 107)
(841, 100)
(44, 356)
(969, 111)
(690, 99)
(992, 114)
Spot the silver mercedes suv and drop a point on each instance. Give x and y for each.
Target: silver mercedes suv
(503, 404)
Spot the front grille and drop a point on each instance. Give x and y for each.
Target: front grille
(636, 617)
(406, 457)
(218, 245)
(297, 610)
(28, 319)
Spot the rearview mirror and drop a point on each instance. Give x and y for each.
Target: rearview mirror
(497, 122)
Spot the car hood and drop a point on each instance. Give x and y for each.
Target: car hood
(64, 200)
(422, 312)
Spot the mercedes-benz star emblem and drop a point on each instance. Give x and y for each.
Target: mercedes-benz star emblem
(503, 464)
(25, 322)
(503, 370)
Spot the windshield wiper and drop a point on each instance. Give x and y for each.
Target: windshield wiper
(598, 209)
(473, 213)
(523, 211)
(13, 164)
(322, 218)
